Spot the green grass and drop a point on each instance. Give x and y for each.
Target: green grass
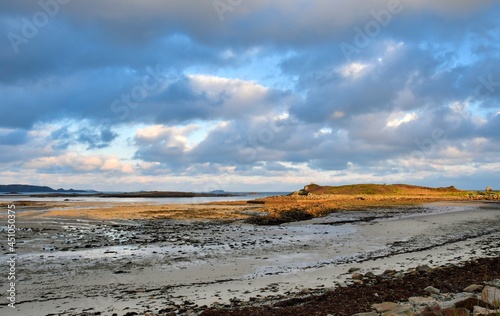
(382, 189)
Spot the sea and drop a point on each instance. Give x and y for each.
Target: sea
(234, 196)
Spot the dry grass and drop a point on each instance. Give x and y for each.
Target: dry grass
(114, 211)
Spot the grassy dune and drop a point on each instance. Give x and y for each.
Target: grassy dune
(316, 200)
(380, 189)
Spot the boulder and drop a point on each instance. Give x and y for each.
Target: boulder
(470, 302)
(384, 307)
(473, 288)
(467, 302)
(401, 310)
(455, 312)
(357, 276)
(432, 290)
(491, 295)
(366, 314)
(423, 301)
(438, 311)
(481, 311)
(494, 283)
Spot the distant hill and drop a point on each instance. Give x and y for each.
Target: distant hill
(25, 188)
(383, 189)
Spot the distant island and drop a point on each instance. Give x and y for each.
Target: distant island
(46, 191)
(25, 188)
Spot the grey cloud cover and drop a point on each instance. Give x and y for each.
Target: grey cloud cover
(97, 73)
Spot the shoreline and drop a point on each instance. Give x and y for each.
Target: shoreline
(122, 265)
(266, 211)
(405, 289)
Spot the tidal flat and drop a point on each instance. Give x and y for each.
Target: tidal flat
(136, 258)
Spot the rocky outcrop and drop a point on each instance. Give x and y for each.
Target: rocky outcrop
(487, 303)
(475, 299)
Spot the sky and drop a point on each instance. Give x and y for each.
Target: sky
(241, 95)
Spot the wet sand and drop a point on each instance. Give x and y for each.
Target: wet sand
(74, 263)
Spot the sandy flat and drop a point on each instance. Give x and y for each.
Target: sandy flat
(72, 261)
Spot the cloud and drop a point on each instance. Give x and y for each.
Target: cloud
(93, 137)
(9, 137)
(142, 91)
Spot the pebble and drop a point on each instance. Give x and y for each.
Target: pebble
(473, 288)
(431, 289)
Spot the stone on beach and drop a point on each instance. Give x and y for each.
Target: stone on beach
(473, 288)
(424, 268)
(481, 311)
(455, 312)
(432, 290)
(384, 307)
(401, 310)
(491, 295)
(426, 301)
(366, 314)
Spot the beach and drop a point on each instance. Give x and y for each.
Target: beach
(71, 262)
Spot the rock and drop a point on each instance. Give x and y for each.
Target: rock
(491, 295)
(455, 312)
(473, 288)
(370, 275)
(467, 302)
(432, 290)
(470, 302)
(431, 311)
(384, 307)
(481, 311)
(353, 269)
(424, 269)
(494, 283)
(425, 301)
(389, 272)
(366, 314)
(358, 282)
(357, 276)
(438, 311)
(401, 310)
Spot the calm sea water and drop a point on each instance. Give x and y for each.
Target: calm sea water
(241, 196)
